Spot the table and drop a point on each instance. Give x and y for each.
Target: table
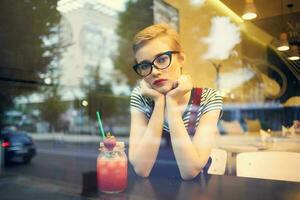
(248, 143)
(205, 187)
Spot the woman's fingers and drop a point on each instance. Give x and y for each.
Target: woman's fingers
(181, 87)
(148, 91)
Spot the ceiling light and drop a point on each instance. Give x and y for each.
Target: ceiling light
(283, 43)
(294, 53)
(249, 10)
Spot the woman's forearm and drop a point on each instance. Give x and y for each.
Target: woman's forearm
(147, 148)
(187, 157)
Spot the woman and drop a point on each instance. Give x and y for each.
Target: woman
(166, 105)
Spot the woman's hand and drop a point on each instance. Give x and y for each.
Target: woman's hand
(148, 91)
(180, 88)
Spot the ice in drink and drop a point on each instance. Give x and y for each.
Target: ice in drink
(112, 169)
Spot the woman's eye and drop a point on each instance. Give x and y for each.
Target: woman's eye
(145, 66)
(162, 59)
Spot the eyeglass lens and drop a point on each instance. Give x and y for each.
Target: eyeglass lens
(160, 62)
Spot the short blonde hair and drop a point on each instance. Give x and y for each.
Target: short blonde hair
(155, 31)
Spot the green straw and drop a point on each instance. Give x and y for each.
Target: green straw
(100, 125)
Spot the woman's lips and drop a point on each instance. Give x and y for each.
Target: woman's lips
(159, 81)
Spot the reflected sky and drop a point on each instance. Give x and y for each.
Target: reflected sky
(65, 6)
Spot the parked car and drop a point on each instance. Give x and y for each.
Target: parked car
(17, 146)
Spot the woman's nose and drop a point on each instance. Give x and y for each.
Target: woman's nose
(155, 71)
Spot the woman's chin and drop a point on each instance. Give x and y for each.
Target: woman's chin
(164, 89)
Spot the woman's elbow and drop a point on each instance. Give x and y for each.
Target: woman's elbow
(139, 170)
(191, 174)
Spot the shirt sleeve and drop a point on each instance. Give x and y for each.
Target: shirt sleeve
(213, 101)
(137, 101)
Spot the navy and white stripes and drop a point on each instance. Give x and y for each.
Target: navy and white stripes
(210, 100)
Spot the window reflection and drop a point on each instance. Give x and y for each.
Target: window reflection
(61, 61)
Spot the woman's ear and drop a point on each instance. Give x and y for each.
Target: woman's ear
(181, 57)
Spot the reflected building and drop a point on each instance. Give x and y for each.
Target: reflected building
(89, 38)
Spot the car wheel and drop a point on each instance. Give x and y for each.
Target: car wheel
(6, 162)
(27, 159)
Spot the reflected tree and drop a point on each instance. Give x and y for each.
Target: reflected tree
(137, 15)
(98, 95)
(52, 108)
(27, 46)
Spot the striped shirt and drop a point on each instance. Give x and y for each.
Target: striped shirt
(210, 100)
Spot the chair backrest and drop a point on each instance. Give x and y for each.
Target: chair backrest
(269, 165)
(218, 164)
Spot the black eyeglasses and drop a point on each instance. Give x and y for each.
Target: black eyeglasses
(161, 61)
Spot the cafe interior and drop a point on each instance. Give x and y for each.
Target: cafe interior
(250, 53)
(63, 61)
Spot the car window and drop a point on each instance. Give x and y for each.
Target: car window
(15, 138)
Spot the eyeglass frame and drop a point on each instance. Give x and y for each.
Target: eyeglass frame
(168, 53)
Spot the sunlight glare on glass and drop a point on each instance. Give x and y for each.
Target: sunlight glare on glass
(47, 81)
(197, 2)
(84, 103)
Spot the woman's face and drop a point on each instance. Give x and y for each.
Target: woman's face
(161, 80)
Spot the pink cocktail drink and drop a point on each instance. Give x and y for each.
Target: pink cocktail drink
(112, 169)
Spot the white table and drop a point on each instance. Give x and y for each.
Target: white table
(235, 144)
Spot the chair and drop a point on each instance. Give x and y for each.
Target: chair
(218, 164)
(269, 165)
